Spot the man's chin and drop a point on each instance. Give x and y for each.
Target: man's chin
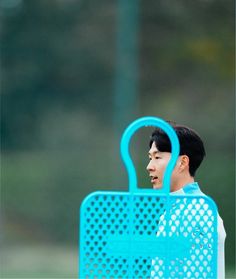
(156, 187)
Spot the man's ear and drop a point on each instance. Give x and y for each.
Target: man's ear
(183, 162)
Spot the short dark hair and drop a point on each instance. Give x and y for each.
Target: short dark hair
(190, 144)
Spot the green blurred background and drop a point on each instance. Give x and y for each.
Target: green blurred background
(74, 74)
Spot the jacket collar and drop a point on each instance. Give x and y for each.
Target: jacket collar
(191, 188)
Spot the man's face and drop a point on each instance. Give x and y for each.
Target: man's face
(157, 165)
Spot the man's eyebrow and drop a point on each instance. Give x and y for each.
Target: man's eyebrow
(154, 152)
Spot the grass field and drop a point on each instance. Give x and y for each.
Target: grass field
(39, 262)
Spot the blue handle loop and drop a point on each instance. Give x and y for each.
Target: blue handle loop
(124, 148)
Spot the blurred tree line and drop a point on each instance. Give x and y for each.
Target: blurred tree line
(59, 136)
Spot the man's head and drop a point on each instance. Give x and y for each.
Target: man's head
(192, 152)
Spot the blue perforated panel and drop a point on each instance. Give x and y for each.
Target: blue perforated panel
(134, 236)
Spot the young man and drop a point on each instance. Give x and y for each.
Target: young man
(192, 152)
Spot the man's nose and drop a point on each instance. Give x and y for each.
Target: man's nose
(150, 166)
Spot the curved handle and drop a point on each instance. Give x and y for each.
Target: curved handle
(124, 148)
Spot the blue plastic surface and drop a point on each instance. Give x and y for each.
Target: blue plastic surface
(147, 233)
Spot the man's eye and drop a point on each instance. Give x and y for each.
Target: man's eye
(157, 157)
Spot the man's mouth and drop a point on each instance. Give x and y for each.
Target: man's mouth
(153, 179)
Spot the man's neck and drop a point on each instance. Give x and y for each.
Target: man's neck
(184, 181)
